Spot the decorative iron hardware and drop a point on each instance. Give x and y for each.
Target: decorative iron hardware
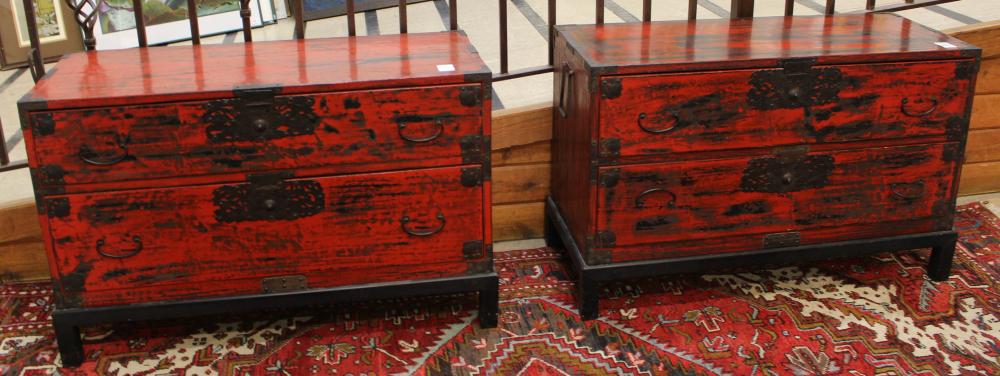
(782, 239)
(610, 147)
(611, 88)
(605, 239)
(469, 96)
(796, 85)
(88, 155)
(472, 176)
(903, 107)
(565, 86)
(281, 200)
(609, 178)
(420, 232)
(438, 124)
(473, 250)
(283, 284)
(43, 124)
(908, 191)
(57, 207)
(125, 254)
(639, 203)
(475, 148)
(786, 173)
(672, 126)
(257, 114)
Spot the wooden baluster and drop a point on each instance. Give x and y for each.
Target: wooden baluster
(453, 14)
(741, 9)
(35, 63)
(599, 12)
(869, 4)
(503, 37)
(789, 7)
(552, 30)
(351, 27)
(692, 9)
(193, 22)
(830, 5)
(402, 16)
(647, 10)
(140, 24)
(245, 15)
(300, 23)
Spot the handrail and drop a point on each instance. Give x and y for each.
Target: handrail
(86, 16)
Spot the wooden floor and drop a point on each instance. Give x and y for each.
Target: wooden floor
(479, 19)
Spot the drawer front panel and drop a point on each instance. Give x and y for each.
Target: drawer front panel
(350, 131)
(676, 113)
(772, 194)
(362, 228)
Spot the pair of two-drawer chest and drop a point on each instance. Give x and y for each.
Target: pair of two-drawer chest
(684, 147)
(179, 181)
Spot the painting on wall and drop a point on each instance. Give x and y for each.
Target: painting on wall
(58, 32)
(166, 20)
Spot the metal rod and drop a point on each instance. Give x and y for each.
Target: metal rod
(351, 27)
(140, 25)
(692, 9)
(300, 22)
(193, 22)
(830, 5)
(790, 7)
(599, 12)
(402, 16)
(36, 65)
(453, 14)
(245, 15)
(647, 10)
(10, 166)
(522, 73)
(503, 37)
(552, 30)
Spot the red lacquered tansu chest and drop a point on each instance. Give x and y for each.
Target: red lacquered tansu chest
(682, 147)
(177, 181)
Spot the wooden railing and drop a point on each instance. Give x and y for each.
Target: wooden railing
(86, 15)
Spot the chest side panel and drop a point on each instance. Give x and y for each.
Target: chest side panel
(351, 131)
(335, 230)
(668, 202)
(690, 112)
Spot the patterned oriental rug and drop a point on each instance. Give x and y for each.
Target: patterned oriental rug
(870, 316)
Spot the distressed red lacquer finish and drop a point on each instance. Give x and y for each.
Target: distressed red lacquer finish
(220, 176)
(678, 145)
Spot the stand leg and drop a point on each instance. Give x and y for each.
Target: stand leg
(552, 238)
(939, 266)
(69, 342)
(588, 292)
(489, 304)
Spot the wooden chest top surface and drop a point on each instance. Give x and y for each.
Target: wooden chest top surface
(180, 73)
(759, 42)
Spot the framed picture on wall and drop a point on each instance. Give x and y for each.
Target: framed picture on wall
(316, 9)
(166, 20)
(58, 32)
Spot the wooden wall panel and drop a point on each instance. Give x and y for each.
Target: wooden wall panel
(985, 112)
(21, 247)
(981, 172)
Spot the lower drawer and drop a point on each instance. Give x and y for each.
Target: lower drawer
(202, 241)
(766, 195)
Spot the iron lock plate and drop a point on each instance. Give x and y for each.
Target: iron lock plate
(283, 284)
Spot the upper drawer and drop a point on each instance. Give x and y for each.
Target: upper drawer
(364, 228)
(675, 113)
(346, 131)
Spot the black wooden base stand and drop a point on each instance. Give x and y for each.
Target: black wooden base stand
(589, 277)
(67, 322)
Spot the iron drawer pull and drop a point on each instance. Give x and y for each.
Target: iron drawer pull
(138, 248)
(566, 85)
(438, 123)
(639, 203)
(907, 191)
(88, 155)
(406, 219)
(642, 116)
(905, 101)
